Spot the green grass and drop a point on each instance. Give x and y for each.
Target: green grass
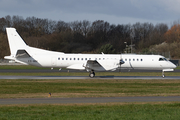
(163, 111)
(87, 88)
(178, 67)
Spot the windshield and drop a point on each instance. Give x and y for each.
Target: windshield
(162, 59)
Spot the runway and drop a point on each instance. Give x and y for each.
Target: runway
(65, 70)
(89, 100)
(79, 77)
(86, 77)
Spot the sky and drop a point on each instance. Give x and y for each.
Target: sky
(112, 11)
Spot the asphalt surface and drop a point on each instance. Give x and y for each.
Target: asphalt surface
(65, 70)
(86, 77)
(80, 77)
(89, 100)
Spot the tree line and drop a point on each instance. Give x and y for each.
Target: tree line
(83, 36)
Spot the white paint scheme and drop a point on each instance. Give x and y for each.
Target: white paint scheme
(89, 62)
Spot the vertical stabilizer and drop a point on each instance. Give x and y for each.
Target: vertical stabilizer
(15, 41)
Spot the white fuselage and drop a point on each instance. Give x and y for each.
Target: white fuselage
(45, 58)
(22, 53)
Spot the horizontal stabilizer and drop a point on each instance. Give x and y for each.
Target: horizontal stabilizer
(9, 57)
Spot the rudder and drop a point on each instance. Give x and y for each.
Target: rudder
(15, 41)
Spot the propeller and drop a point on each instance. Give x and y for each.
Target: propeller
(120, 62)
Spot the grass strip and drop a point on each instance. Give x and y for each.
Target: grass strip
(87, 88)
(160, 111)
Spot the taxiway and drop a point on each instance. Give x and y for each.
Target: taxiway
(66, 70)
(86, 77)
(89, 100)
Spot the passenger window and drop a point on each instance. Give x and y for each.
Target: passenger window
(62, 58)
(74, 58)
(89, 58)
(70, 58)
(137, 59)
(129, 59)
(81, 58)
(133, 59)
(66, 58)
(99, 58)
(125, 59)
(78, 59)
(141, 59)
(85, 58)
(58, 58)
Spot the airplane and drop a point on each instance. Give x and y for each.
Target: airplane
(22, 53)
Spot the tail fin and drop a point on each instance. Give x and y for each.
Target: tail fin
(15, 41)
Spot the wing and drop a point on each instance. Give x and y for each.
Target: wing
(94, 65)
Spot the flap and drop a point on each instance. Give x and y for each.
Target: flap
(76, 66)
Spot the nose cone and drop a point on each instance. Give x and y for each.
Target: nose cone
(172, 65)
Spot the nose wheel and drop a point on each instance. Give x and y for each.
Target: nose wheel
(163, 74)
(91, 74)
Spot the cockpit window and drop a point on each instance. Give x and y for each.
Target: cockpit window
(162, 59)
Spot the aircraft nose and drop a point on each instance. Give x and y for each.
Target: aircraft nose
(173, 65)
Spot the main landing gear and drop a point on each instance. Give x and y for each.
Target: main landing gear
(91, 74)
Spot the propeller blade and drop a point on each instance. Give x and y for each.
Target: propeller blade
(120, 63)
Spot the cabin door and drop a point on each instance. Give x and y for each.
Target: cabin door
(53, 61)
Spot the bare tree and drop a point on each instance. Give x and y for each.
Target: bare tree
(85, 27)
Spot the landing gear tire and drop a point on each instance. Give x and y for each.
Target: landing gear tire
(163, 74)
(91, 74)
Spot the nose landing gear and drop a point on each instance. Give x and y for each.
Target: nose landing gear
(163, 74)
(164, 70)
